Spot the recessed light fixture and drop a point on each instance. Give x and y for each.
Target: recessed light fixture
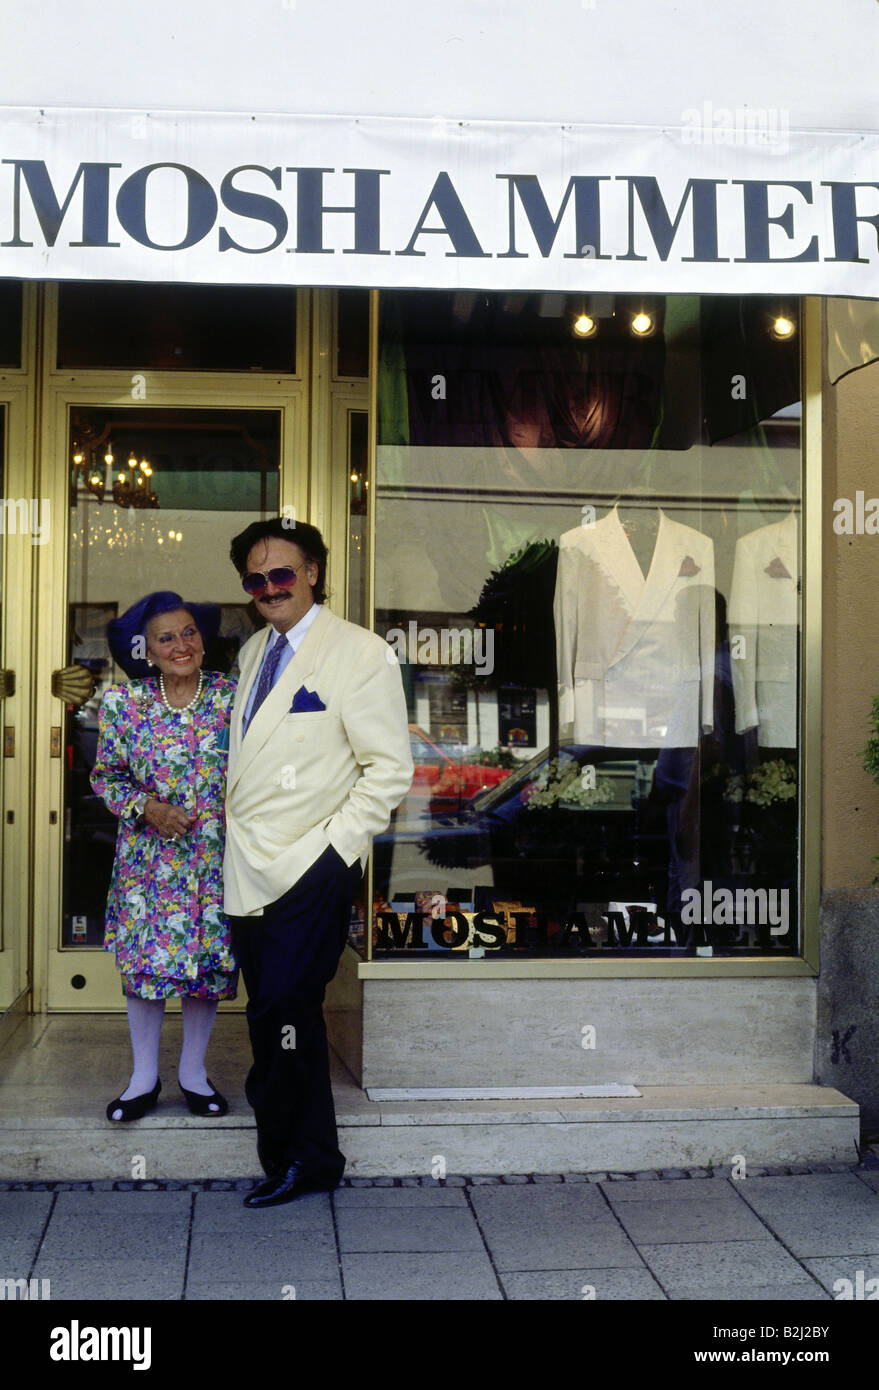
(783, 327)
(584, 326)
(642, 324)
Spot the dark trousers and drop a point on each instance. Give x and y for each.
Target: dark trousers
(288, 957)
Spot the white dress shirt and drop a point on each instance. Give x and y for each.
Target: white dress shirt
(294, 636)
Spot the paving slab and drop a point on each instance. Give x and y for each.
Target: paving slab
(123, 1207)
(280, 1257)
(224, 1213)
(719, 1217)
(111, 1279)
(301, 1291)
(345, 1198)
(139, 1241)
(437, 1276)
(731, 1270)
(832, 1214)
(17, 1255)
(676, 1192)
(548, 1285)
(551, 1228)
(23, 1218)
(850, 1273)
(23, 1215)
(410, 1229)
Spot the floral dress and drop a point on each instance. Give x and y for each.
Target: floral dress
(165, 916)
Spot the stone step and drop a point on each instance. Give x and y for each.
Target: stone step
(59, 1075)
(666, 1127)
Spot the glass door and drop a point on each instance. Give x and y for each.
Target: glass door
(154, 497)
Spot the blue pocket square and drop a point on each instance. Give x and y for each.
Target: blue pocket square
(305, 701)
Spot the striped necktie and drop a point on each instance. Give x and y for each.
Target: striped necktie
(267, 676)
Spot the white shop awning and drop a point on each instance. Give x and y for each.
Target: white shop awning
(480, 144)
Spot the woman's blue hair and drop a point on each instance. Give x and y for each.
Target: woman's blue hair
(127, 634)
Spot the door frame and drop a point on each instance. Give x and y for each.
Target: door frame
(54, 966)
(17, 587)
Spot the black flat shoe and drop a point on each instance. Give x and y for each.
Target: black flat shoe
(136, 1107)
(202, 1105)
(287, 1186)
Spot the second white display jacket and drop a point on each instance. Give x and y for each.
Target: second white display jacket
(763, 615)
(635, 654)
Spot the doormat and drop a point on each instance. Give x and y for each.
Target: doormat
(610, 1088)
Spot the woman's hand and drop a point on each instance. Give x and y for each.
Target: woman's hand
(170, 821)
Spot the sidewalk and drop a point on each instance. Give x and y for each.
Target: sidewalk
(676, 1235)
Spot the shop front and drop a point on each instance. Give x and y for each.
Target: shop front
(557, 398)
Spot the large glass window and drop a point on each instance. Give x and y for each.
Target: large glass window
(587, 557)
(177, 327)
(10, 323)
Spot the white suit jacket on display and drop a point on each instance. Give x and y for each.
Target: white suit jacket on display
(298, 782)
(763, 616)
(635, 655)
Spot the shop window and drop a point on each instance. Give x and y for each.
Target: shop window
(176, 327)
(352, 333)
(10, 323)
(587, 558)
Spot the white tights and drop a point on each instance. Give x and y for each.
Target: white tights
(145, 1025)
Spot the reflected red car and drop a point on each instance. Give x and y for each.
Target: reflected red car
(443, 779)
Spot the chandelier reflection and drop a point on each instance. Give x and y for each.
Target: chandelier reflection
(130, 523)
(129, 487)
(98, 529)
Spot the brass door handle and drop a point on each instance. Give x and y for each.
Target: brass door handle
(73, 684)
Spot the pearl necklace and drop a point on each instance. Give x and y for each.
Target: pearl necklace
(180, 708)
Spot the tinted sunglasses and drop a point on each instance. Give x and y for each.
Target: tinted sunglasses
(281, 577)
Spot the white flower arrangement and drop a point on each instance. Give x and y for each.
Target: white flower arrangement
(770, 784)
(562, 783)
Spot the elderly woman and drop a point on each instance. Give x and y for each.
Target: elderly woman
(161, 768)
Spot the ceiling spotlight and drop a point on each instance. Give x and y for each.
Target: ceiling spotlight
(584, 326)
(782, 327)
(642, 324)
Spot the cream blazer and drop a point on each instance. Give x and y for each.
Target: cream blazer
(300, 782)
(635, 654)
(763, 619)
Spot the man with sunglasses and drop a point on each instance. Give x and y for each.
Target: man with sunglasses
(318, 759)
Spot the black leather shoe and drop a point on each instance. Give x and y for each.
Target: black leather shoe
(294, 1182)
(136, 1107)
